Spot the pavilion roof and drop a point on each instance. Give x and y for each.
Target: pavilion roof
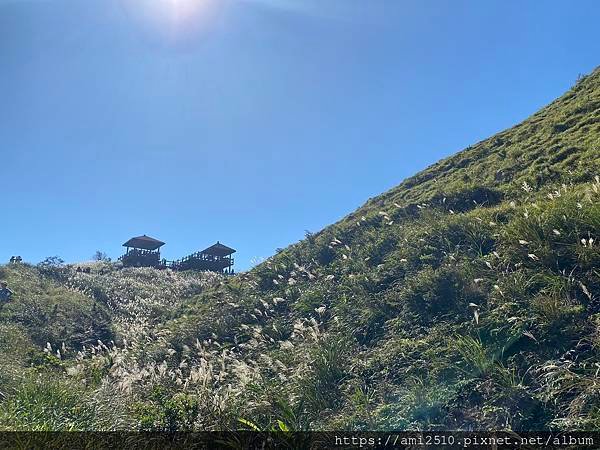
(144, 242)
(218, 249)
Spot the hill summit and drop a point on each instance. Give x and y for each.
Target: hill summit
(468, 297)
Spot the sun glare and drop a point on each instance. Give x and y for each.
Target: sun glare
(176, 19)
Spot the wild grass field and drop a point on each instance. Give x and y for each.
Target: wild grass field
(467, 298)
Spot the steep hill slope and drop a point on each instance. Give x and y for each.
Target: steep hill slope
(466, 298)
(559, 142)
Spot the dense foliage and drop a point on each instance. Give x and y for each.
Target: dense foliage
(466, 298)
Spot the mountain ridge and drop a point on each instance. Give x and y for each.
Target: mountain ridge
(502, 180)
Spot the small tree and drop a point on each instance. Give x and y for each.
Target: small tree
(52, 261)
(101, 256)
(54, 267)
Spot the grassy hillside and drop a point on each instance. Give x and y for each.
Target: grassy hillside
(465, 298)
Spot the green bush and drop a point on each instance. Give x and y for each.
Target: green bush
(47, 404)
(320, 387)
(433, 294)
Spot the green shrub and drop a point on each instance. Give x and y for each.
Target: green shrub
(177, 413)
(320, 387)
(480, 361)
(47, 404)
(431, 294)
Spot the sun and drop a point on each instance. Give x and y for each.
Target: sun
(175, 19)
(181, 10)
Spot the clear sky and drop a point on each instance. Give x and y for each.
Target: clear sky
(251, 121)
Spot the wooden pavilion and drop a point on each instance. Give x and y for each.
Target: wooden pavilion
(142, 251)
(216, 258)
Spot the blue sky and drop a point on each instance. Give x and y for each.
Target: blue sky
(251, 121)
